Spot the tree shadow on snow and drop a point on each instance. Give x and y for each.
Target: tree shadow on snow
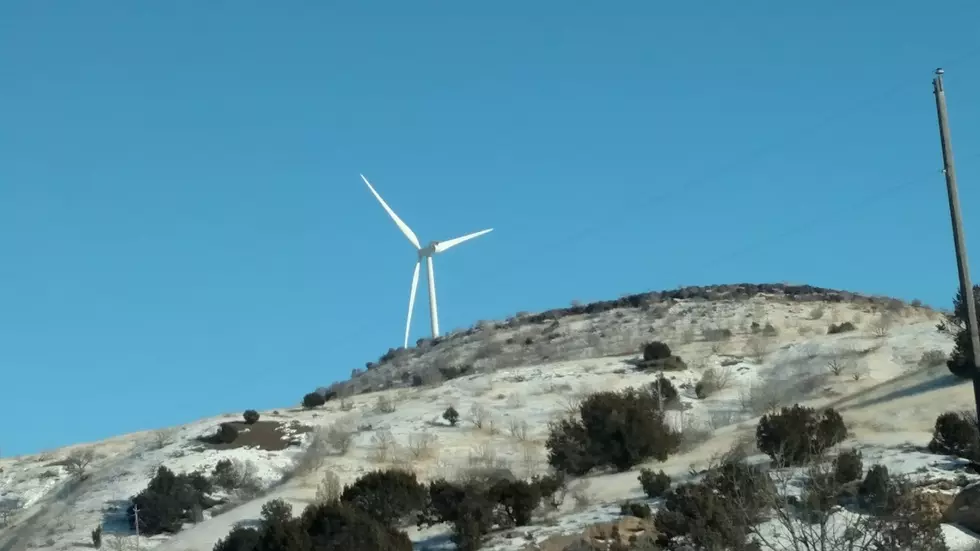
(946, 381)
(114, 519)
(434, 543)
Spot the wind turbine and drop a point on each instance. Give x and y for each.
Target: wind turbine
(425, 253)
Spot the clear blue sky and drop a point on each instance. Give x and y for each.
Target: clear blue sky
(183, 230)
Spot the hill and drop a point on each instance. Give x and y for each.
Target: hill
(738, 352)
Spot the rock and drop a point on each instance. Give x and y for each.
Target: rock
(965, 508)
(599, 536)
(932, 505)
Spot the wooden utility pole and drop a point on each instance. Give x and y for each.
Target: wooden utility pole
(136, 523)
(959, 242)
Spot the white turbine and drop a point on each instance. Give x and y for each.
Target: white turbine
(425, 253)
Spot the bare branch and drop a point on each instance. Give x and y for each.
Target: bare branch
(78, 461)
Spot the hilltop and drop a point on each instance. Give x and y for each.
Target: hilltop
(736, 353)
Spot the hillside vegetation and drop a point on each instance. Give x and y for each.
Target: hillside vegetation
(792, 417)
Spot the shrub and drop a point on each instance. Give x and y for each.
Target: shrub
(654, 484)
(875, 490)
(251, 416)
(328, 526)
(222, 475)
(168, 500)
(794, 435)
(386, 496)
(97, 537)
(451, 415)
(231, 475)
(639, 510)
(769, 330)
(932, 358)
(954, 434)
(518, 499)
(466, 507)
(453, 372)
(313, 399)
(552, 487)
(78, 461)
(664, 390)
(279, 529)
(848, 466)
(835, 328)
(710, 383)
(227, 433)
(417, 380)
(338, 526)
(656, 350)
(241, 538)
(617, 429)
(718, 511)
(820, 491)
(484, 499)
(960, 362)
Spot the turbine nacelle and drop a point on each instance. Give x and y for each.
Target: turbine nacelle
(428, 250)
(424, 254)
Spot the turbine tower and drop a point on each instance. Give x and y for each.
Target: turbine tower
(424, 253)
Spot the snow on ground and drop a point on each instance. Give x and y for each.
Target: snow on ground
(870, 375)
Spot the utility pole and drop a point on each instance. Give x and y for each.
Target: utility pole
(136, 523)
(959, 242)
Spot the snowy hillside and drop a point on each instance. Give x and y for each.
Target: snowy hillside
(885, 377)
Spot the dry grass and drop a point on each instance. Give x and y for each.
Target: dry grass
(340, 436)
(518, 428)
(693, 433)
(329, 488)
(932, 358)
(479, 415)
(756, 347)
(384, 404)
(761, 397)
(531, 459)
(881, 327)
(116, 542)
(840, 363)
(579, 490)
(384, 446)
(311, 458)
(162, 438)
(515, 401)
(422, 445)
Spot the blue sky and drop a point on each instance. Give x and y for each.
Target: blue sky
(183, 230)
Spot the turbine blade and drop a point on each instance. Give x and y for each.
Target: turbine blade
(444, 245)
(411, 301)
(398, 221)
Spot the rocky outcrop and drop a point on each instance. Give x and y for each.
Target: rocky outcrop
(398, 358)
(599, 537)
(932, 506)
(964, 509)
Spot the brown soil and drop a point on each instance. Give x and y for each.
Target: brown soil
(265, 435)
